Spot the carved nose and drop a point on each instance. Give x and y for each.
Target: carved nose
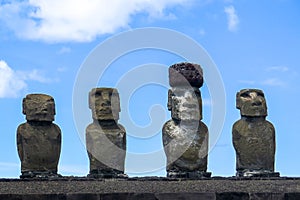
(44, 108)
(257, 103)
(105, 97)
(105, 103)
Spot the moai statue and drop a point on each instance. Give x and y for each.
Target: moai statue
(105, 138)
(39, 140)
(185, 137)
(253, 136)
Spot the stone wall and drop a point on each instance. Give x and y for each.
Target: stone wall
(150, 188)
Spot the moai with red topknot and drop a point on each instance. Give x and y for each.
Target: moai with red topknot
(185, 136)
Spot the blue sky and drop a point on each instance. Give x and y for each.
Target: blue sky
(254, 44)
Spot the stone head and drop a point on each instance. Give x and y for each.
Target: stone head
(39, 107)
(185, 104)
(252, 103)
(185, 74)
(104, 103)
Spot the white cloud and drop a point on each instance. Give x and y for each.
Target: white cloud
(33, 75)
(202, 32)
(248, 82)
(8, 165)
(9, 168)
(13, 82)
(79, 170)
(274, 82)
(10, 85)
(233, 19)
(278, 68)
(77, 20)
(274, 76)
(62, 69)
(64, 50)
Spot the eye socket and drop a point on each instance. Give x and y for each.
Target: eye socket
(97, 94)
(260, 94)
(245, 95)
(50, 100)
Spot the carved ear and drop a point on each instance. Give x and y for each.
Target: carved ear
(170, 94)
(119, 102)
(200, 102)
(90, 101)
(54, 111)
(238, 100)
(24, 106)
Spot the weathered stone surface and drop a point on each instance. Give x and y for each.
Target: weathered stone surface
(186, 146)
(104, 103)
(105, 138)
(185, 104)
(232, 196)
(87, 196)
(128, 196)
(251, 103)
(186, 196)
(292, 196)
(253, 136)
(39, 107)
(191, 196)
(266, 196)
(185, 74)
(254, 142)
(106, 145)
(146, 188)
(147, 196)
(33, 197)
(39, 140)
(185, 137)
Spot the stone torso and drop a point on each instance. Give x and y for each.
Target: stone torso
(39, 146)
(186, 145)
(254, 142)
(106, 145)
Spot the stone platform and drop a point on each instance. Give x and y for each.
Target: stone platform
(150, 188)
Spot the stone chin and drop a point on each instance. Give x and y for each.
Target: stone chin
(106, 115)
(105, 118)
(40, 117)
(187, 116)
(254, 112)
